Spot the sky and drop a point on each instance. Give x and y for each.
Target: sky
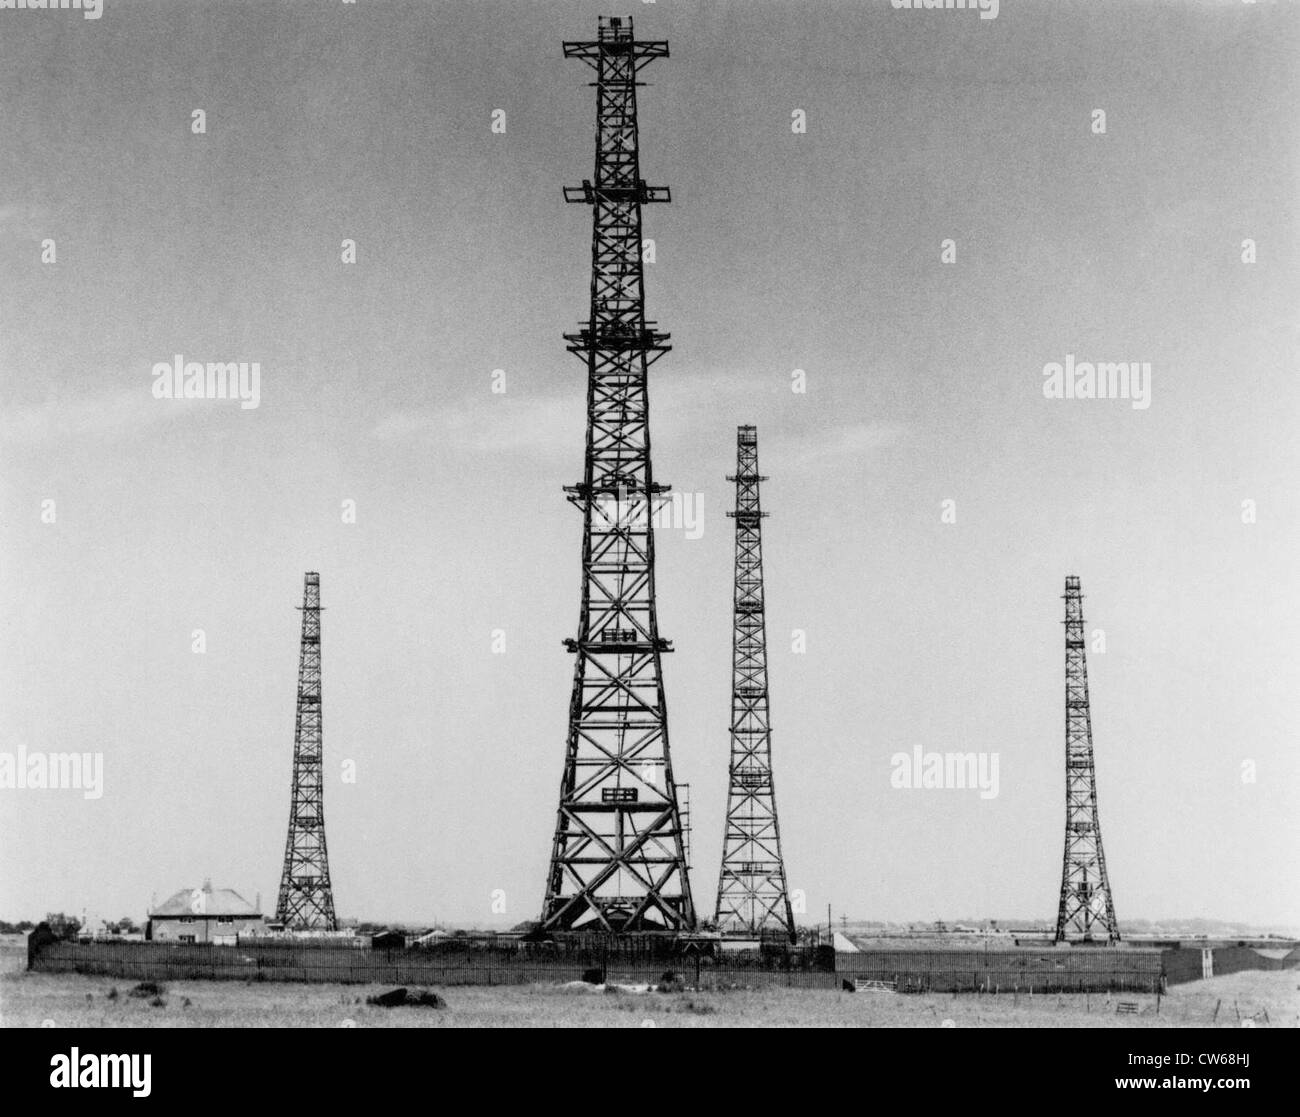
(446, 686)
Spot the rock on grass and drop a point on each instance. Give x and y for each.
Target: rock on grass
(406, 998)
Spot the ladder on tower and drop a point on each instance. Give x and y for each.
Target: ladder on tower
(684, 807)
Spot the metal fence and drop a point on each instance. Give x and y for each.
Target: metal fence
(1007, 971)
(155, 961)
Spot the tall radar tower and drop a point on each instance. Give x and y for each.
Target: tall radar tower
(1087, 911)
(752, 893)
(617, 862)
(306, 899)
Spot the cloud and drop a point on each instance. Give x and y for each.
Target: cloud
(855, 440)
(504, 423)
(23, 221)
(554, 424)
(127, 411)
(681, 410)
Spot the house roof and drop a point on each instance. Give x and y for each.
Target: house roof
(844, 944)
(207, 901)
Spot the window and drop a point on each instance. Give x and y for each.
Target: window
(225, 919)
(186, 938)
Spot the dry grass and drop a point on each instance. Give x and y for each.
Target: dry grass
(71, 1000)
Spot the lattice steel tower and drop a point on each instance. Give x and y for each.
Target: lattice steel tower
(618, 862)
(1087, 910)
(752, 893)
(306, 899)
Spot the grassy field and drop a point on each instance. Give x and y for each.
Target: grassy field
(71, 1000)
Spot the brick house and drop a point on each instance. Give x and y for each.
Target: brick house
(207, 914)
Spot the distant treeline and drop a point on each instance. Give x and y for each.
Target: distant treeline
(67, 926)
(20, 928)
